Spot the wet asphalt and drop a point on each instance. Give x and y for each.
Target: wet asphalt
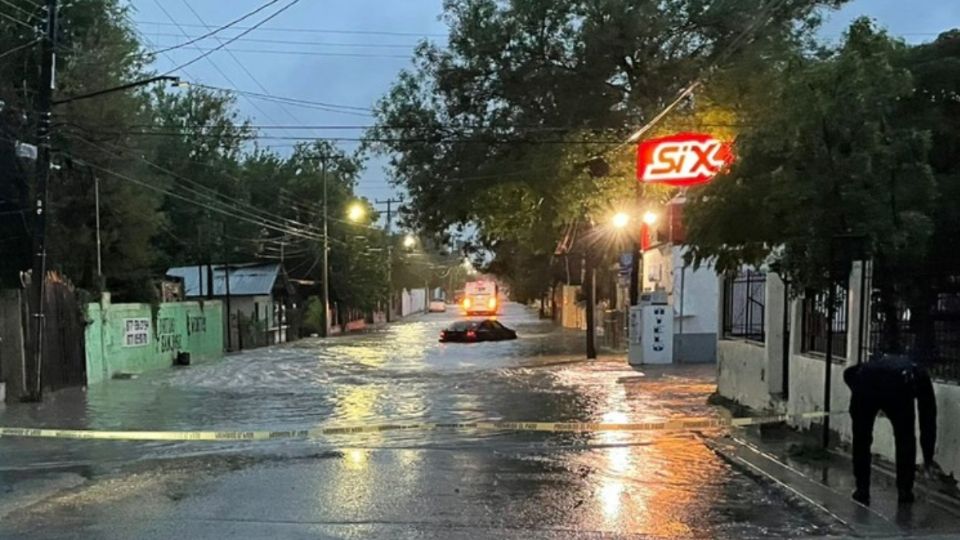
(409, 484)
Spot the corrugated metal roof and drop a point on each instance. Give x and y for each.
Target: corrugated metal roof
(245, 279)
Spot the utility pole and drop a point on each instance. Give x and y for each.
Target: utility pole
(589, 285)
(226, 283)
(96, 198)
(39, 269)
(389, 202)
(326, 252)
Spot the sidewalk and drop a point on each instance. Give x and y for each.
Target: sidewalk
(793, 461)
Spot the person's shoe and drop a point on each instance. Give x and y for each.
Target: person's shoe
(905, 497)
(861, 497)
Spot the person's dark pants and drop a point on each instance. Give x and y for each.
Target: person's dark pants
(863, 411)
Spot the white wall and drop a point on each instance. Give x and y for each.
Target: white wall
(741, 373)
(412, 301)
(696, 292)
(750, 374)
(806, 394)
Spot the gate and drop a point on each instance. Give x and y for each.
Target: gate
(64, 355)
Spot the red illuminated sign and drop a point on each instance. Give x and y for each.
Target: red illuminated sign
(683, 159)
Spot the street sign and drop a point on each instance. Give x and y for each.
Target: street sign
(682, 159)
(626, 263)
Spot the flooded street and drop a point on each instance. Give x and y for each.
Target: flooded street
(436, 484)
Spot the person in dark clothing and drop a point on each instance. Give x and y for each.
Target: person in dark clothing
(891, 384)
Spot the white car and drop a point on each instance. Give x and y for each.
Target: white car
(438, 306)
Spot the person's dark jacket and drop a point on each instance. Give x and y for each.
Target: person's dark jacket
(896, 377)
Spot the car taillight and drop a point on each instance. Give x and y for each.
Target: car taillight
(466, 303)
(492, 303)
(471, 334)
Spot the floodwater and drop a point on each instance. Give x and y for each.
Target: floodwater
(397, 484)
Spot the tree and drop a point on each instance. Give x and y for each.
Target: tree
(831, 160)
(502, 129)
(97, 49)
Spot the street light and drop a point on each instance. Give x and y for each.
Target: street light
(649, 217)
(409, 241)
(620, 220)
(356, 212)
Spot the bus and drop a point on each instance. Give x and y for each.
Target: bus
(481, 298)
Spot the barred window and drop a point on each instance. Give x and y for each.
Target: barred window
(743, 305)
(814, 330)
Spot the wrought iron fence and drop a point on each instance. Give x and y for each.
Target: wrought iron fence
(814, 329)
(743, 305)
(933, 338)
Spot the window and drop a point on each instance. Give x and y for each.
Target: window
(743, 305)
(814, 331)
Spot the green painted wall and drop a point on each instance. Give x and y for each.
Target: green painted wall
(126, 338)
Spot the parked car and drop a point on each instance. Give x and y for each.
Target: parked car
(472, 331)
(438, 306)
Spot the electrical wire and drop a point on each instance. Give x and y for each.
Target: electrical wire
(212, 32)
(16, 20)
(20, 9)
(301, 52)
(243, 67)
(214, 64)
(194, 202)
(212, 196)
(313, 30)
(234, 38)
(289, 100)
(405, 46)
(20, 47)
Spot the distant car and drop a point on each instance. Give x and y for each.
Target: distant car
(472, 331)
(438, 306)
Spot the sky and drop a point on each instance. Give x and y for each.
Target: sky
(347, 52)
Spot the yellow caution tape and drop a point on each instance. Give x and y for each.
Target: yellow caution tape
(556, 427)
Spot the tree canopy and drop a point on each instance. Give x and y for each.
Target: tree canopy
(501, 130)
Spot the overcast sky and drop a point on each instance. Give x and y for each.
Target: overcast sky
(347, 52)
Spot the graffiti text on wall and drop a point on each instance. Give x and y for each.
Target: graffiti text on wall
(136, 332)
(167, 334)
(196, 325)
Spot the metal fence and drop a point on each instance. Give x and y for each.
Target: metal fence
(743, 305)
(936, 344)
(814, 330)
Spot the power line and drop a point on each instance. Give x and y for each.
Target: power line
(16, 20)
(234, 38)
(307, 43)
(221, 208)
(20, 47)
(215, 197)
(313, 30)
(215, 30)
(431, 140)
(20, 9)
(301, 52)
(210, 60)
(331, 107)
(242, 66)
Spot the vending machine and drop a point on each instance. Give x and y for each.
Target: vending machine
(651, 330)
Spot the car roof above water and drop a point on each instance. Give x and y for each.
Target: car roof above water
(463, 325)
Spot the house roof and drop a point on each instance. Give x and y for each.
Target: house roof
(247, 279)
